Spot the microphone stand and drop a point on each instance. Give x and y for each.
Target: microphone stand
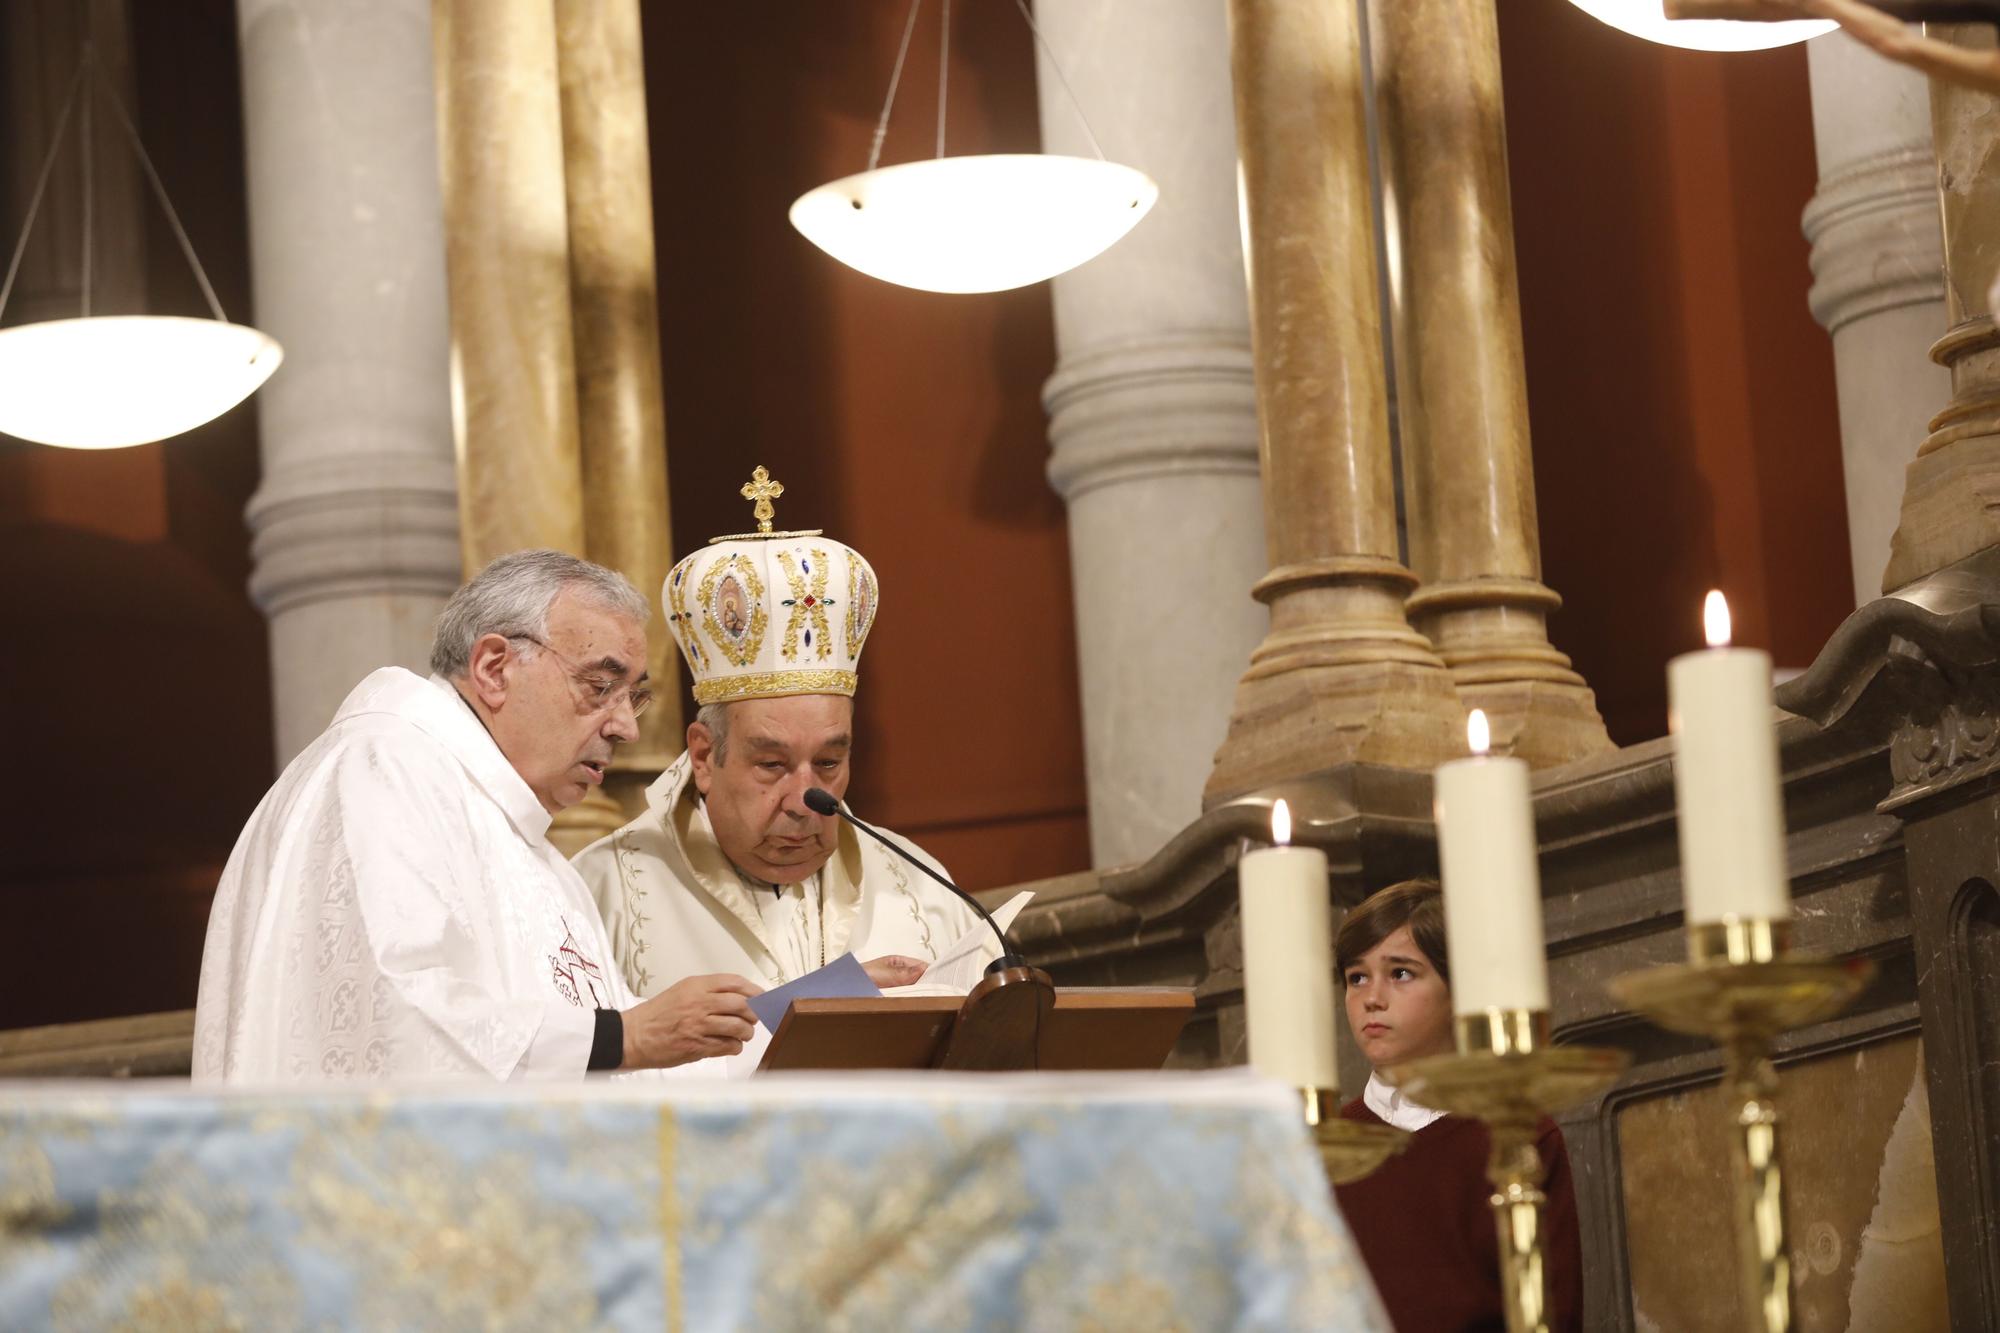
(823, 802)
(1002, 1016)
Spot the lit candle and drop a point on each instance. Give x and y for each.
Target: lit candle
(1492, 887)
(1288, 959)
(1732, 816)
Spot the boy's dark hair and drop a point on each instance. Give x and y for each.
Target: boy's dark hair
(1416, 903)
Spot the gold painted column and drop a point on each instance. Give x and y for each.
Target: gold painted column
(1341, 677)
(1951, 493)
(513, 374)
(615, 311)
(513, 361)
(1468, 474)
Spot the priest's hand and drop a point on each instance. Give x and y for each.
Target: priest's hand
(690, 1020)
(894, 969)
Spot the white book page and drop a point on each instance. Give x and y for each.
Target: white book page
(958, 969)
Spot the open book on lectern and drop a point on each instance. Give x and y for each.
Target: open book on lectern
(955, 972)
(959, 1016)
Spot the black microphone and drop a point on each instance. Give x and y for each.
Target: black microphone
(823, 802)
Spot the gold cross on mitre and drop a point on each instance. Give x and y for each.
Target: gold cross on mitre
(761, 490)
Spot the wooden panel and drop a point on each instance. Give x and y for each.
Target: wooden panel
(1856, 1128)
(150, 1045)
(1108, 1028)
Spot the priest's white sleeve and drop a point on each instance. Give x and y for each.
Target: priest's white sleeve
(402, 829)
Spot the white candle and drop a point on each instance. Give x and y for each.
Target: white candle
(1732, 815)
(1492, 887)
(1288, 959)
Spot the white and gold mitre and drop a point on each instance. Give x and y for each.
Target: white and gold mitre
(760, 614)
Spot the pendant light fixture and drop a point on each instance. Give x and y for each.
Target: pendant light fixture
(1648, 19)
(973, 223)
(110, 381)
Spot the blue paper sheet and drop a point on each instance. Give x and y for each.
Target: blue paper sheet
(842, 979)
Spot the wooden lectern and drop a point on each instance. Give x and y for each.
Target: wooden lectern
(1015, 1019)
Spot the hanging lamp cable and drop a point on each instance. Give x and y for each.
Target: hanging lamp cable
(944, 77)
(41, 185)
(87, 67)
(944, 72)
(166, 204)
(895, 77)
(1061, 78)
(84, 129)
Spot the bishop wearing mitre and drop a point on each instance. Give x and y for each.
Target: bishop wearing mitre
(728, 870)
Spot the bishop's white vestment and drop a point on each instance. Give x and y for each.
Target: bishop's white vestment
(394, 909)
(674, 906)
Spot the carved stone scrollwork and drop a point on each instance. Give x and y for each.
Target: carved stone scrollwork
(1921, 671)
(1951, 736)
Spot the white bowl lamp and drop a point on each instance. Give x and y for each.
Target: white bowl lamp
(982, 223)
(111, 381)
(1647, 18)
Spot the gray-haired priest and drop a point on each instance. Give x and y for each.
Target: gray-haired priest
(394, 908)
(728, 870)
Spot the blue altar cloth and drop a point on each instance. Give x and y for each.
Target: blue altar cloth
(1041, 1202)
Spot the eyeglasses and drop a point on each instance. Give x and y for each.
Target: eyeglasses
(604, 694)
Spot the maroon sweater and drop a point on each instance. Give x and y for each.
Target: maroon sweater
(1427, 1233)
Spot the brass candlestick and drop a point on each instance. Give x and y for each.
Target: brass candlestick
(1741, 990)
(1349, 1149)
(1507, 1074)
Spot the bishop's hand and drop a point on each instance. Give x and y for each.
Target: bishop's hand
(690, 1020)
(894, 969)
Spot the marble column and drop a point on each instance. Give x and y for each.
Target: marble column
(1468, 475)
(1341, 677)
(355, 523)
(1951, 493)
(1878, 278)
(1153, 415)
(615, 310)
(513, 363)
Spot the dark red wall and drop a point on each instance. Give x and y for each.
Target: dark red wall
(136, 722)
(1680, 395)
(905, 423)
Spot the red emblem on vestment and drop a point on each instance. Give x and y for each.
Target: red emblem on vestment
(580, 980)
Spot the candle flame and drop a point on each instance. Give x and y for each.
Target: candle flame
(1715, 618)
(1281, 822)
(1478, 735)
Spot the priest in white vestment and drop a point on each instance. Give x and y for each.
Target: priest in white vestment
(394, 908)
(727, 870)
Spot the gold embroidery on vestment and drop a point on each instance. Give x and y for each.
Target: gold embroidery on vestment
(860, 607)
(741, 650)
(670, 1220)
(822, 680)
(808, 603)
(444, 1246)
(677, 594)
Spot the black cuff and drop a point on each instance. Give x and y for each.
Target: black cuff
(607, 1047)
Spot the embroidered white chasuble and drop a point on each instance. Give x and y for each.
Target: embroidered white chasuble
(674, 906)
(394, 909)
